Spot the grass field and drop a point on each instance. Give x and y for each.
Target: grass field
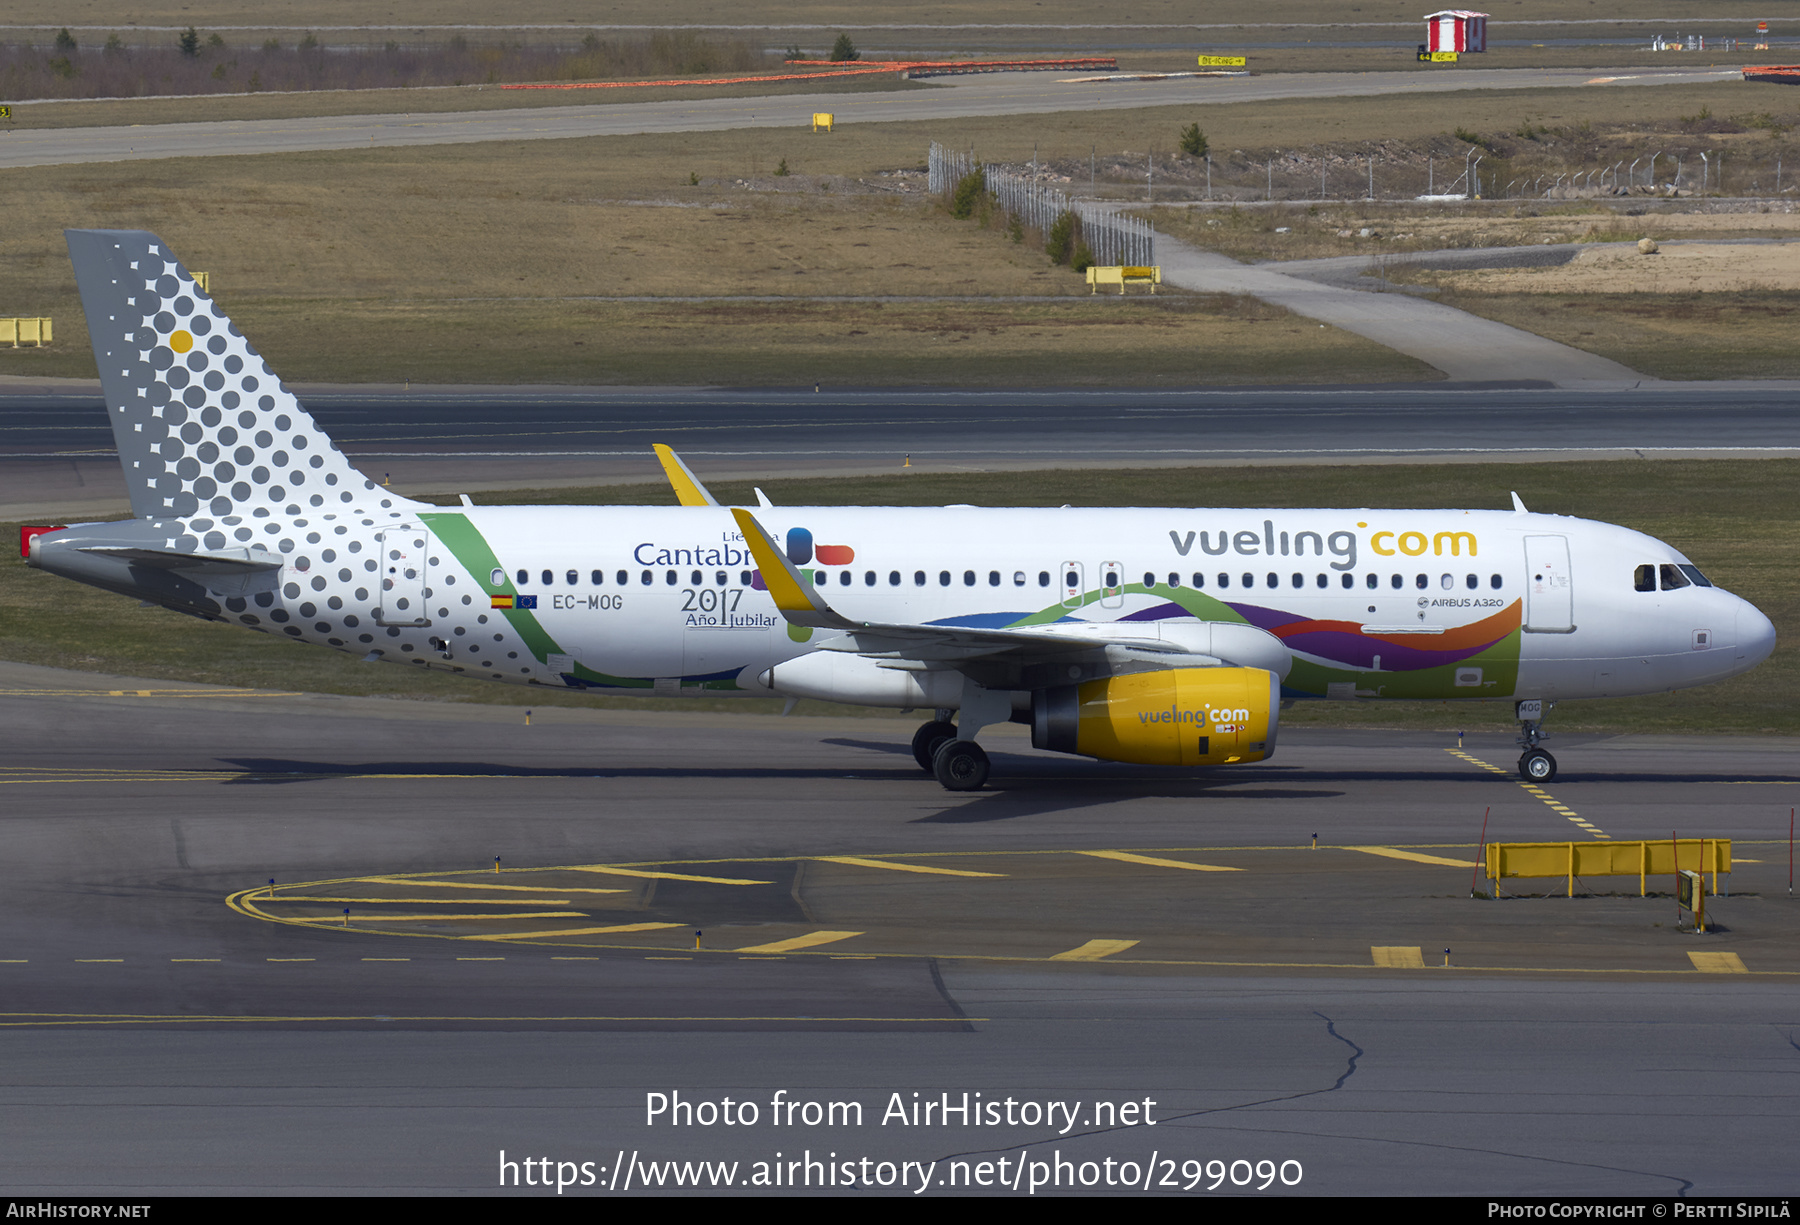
(1736, 519)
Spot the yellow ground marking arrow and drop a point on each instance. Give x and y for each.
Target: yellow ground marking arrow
(414, 881)
(810, 940)
(1388, 852)
(1152, 861)
(578, 931)
(1718, 963)
(890, 865)
(705, 880)
(1398, 957)
(424, 901)
(1094, 950)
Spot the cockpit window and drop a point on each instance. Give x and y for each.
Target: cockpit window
(1693, 572)
(1673, 579)
(1644, 578)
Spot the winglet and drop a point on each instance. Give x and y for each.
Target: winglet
(796, 598)
(1519, 506)
(687, 486)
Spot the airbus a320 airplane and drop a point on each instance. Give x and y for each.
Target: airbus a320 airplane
(1163, 637)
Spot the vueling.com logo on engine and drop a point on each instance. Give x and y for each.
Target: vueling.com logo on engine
(1201, 717)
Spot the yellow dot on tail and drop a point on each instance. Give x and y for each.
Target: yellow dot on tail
(181, 342)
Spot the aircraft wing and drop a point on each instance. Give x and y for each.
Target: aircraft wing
(1143, 644)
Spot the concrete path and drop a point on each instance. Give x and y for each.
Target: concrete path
(1465, 347)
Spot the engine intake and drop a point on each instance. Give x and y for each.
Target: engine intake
(1178, 717)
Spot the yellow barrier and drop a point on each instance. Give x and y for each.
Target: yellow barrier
(1130, 274)
(25, 331)
(1639, 859)
(822, 119)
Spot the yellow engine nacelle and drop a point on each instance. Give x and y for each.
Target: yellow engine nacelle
(1181, 717)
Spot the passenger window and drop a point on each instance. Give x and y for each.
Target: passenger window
(1373, 582)
(1397, 582)
(869, 578)
(623, 578)
(1300, 579)
(1018, 578)
(1199, 579)
(968, 578)
(722, 578)
(893, 578)
(646, 578)
(1644, 578)
(696, 581)
(1673, 579)
(497, 578)
(1043, 578)
(1149, 580)
(943, 578)
(1174, 580)
(1349, 581)
(1224, 580)
(744, 577)
(1323, 580)
(572, 578)
(524, 576)
(1421, 582)
(549, 577)
(1273, 581)
(598, 577)
(1494, 582)
(671, 577)
(1472, 583)
(918, 578)
(843, 578)
(1448, 582)
(993, 578)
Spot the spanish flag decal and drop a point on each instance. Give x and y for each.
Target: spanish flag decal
(501, 601)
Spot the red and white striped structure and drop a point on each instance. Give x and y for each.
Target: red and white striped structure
(1456, 30)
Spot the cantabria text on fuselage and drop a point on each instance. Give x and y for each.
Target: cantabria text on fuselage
(1161, 636)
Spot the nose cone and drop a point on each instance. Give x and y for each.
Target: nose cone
(1755, 636)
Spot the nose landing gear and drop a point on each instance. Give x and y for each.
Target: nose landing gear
(1535, 763)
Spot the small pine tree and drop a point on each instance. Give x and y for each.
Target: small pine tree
(781, 171)
(1083, 259)
(1059, 244)
(189, 42)
(1193, 141)
(215, 42)
(794, 53)
(114, 44)
(843, 50)
(65, 41)
(967, 194)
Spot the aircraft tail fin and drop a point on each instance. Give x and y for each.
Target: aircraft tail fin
(203, 426)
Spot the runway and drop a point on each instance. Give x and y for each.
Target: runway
(955, 97)
(1054, 949)
(57, 458)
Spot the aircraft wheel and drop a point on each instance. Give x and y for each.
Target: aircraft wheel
(960, 765)
(926, 741)
(1537, 766)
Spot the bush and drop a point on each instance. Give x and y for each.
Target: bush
(1015, 229)
(843, 50)
(1193, 141)
(967, 194)
(1083, 259)
(189, 42)
(794, 53)
(1060, 243)
(781, 171)
(65, 42)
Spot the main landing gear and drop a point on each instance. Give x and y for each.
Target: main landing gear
(960, 765)
(1535, 763)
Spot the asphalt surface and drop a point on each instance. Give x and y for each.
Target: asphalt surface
(162, 1039)
(56, 455)
(950, 97)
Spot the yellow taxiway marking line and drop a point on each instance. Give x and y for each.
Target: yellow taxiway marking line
(668, 959)
(416, 882)
(1388, 852)
(144, 693)
(86, 961)
(1094, 950)
(810, 940)
(704, 880)
(430, 901)
(1718, 963)
(287, 959)
(1154, 862)
(858, 862)
(1397, 956)
(311, 920)
(481, 959)
(577, 931)
(16, 1019)
(1534, 790)
(387, 958)
(184, 959)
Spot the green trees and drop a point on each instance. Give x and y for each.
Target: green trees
(189, 42)
(843, 50)
(1193, 141)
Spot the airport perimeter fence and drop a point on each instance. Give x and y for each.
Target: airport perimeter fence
(1113, 237)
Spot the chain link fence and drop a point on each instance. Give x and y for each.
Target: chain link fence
(1113, 237)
